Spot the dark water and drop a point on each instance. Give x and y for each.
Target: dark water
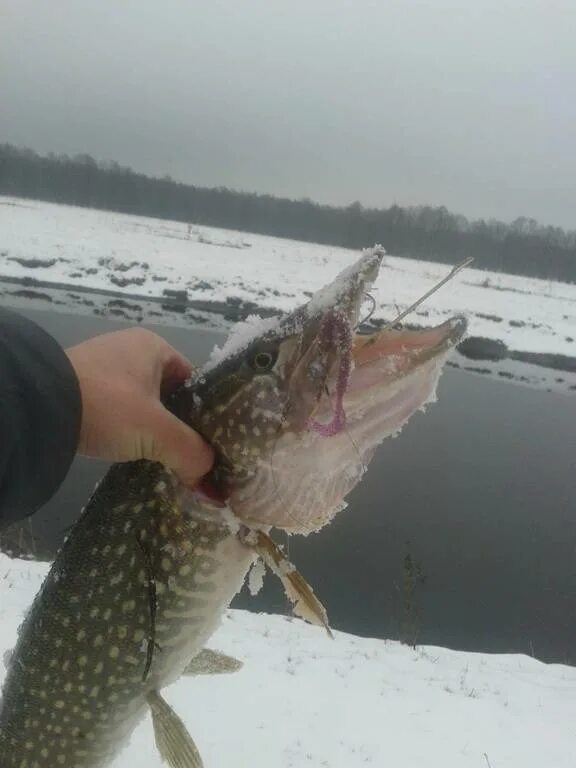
(480, 493)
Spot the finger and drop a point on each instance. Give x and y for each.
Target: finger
(174, 368)
(177, 446)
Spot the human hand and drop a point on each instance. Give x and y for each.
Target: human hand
(121, 377)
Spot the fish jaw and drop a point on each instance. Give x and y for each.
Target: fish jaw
(395, 374)
(305, 480)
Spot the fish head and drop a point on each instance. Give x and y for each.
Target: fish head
(294, 408)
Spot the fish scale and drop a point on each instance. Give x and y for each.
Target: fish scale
(86, 639)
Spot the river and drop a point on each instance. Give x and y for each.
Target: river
(462, 534)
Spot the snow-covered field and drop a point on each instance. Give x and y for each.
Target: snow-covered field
(302, 699)
(143, 256)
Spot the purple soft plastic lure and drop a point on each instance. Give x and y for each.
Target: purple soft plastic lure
(336, 332)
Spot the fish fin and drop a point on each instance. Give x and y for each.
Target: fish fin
(304, 602)
(209, 662)
(174, 743)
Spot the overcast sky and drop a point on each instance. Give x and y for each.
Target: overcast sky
(466, 103)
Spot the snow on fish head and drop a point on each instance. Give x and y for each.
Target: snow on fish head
(295, 407)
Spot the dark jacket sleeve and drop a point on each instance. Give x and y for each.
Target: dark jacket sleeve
(40, 412)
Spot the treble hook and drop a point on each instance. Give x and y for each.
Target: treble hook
(373, 309)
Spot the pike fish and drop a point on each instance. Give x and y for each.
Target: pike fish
(294, 409)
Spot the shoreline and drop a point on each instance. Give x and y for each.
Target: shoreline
(165, 272)
(479, 355)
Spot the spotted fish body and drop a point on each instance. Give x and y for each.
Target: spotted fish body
(294, 414)
(78, 687)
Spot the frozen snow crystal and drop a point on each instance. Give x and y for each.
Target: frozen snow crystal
(256, 577)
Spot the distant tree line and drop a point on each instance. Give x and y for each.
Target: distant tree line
(522, 247)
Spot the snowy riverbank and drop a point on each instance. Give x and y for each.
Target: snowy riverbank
(302, 699)
(43, 246)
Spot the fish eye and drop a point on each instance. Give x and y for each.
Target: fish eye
(263, 360)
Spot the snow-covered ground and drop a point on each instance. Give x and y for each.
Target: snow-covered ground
(302, 699)
(144, 256)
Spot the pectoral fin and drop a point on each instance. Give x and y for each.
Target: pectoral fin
(209, 662)
(174, 743)
(304, 602)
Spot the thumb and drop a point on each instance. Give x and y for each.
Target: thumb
(177, 446)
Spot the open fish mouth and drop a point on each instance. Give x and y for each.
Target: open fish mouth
(296, 410)
(395, 372)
